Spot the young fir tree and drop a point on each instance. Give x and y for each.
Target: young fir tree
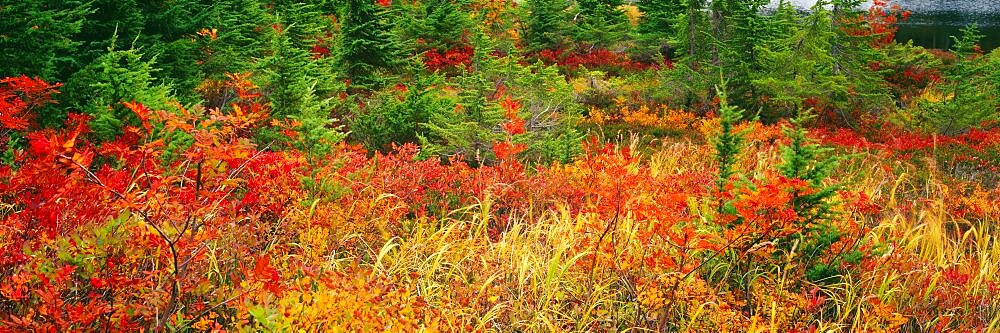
(439, 24)
(167, 36)
(110, 20)
(854, 54)
(473, 126)
(115, 77)
(805, 160)
(972, 94)
(546, 24)
(234, 34)
(656, 27)
(741, 29)
(395, 117)
(728, 144)
(288, 73)
(38, 38)
(368, 49)
(600, 23)
(689, 80)
(800, 66)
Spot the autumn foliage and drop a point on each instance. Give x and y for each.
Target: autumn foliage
(768, 172)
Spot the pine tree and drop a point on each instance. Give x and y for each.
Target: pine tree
(37, 38)
(439, 24)
(111, 19)
(167, 36)
(740, 29)
(291, 72)
(394, 117)
(853, 54)
(369, 50)
(805, 160)
(235, 33)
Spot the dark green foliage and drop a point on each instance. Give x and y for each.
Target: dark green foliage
(547, 24)
(115, 77)
(110, 20)
(973, 95)
(806, 160)
(440, 24)
(240, 35)
(728, 143)
(853, 56)
(368, 51)
(800, 66)
(742, 29)
(291, 73)
(600, 23)
(38, 38)
(395, 117)
(472, 128)
(551, 113)
(658, 22)
(168, 38)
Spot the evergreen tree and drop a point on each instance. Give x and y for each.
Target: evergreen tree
(289, 73)
(115, 77)
(971, 93)
(656, 27)
(233, 35)
(601, 23)
(111, 19)
(546, 24)
(394, 117)
(439, 24)
(805, 160)
(728, 144)
(473, 126)
(38, 38)
(743, 28)
(853, 54)
(167, 36)
(368, 50)
(800, 66)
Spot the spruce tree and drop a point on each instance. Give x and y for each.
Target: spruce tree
(546, 24)
(115, 77)
(439, 24)
(728, 144)
(38, 38)
(803, 159)
(972, 94)
(853, 55)
(472, 127)
(368, 49)
(111, 19)
(600, 23)
(800, 66)
(236, 33)
(658, 22)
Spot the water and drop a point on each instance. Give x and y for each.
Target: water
(933, 21)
